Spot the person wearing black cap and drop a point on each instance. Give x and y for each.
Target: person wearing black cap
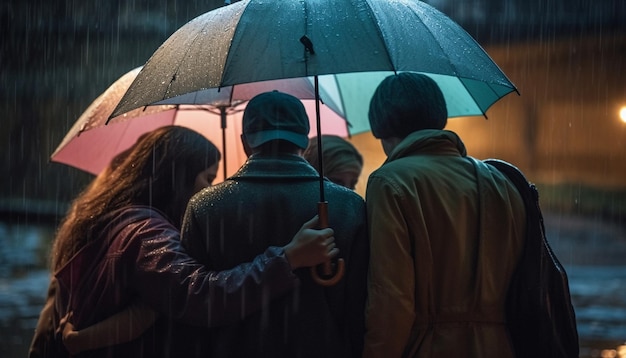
(445, 237)
(261, 205)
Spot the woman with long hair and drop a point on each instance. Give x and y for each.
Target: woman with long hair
(120, 243)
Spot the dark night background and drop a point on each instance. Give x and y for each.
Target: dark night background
(568, 59)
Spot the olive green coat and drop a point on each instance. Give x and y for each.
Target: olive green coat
(442, 253)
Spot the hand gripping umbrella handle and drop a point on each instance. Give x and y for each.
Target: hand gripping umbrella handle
(329, 279)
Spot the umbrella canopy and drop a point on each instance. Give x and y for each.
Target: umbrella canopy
(90, 144)
(259, 40)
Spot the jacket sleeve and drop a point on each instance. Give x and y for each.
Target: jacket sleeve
(174, 284)
(390, 310)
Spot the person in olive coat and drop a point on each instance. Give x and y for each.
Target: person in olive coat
(445, 237)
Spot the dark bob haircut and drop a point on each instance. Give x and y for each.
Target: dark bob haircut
(405, 103)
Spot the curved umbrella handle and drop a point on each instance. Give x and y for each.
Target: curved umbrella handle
(329, 279)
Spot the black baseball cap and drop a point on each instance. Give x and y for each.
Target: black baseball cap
(275, 115)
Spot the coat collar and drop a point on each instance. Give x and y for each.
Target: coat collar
(429, 141)
(283, 165)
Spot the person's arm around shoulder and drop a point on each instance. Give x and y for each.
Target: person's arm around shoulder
(173, 283)
(306, 249)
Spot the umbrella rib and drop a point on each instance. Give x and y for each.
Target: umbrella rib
(454, 67)
(455, 70)
(443, 50)
(343, 105)
(306, 42)
(382, 37)
(230, 46)
(180, 63)
(429, 30)
(189, 48)
(484, 112)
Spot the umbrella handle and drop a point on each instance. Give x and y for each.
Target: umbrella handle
(329, 279)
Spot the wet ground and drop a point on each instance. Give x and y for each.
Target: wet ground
(592, 250)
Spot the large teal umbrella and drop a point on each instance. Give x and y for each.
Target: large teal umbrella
(349, 94)
(258, 40)
(357, 41)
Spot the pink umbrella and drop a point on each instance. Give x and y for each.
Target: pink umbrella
(91, 143)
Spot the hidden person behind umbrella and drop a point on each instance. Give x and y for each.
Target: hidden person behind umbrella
(343, 163)
(445, 237)
(259, 206)
(120, 243)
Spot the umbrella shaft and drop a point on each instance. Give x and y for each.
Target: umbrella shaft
(320, 156)
(223, 122)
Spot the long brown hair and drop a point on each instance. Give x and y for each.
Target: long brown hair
(158, 171)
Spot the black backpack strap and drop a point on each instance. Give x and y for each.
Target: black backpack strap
(527, 190)
(530, 195)
(540, 314)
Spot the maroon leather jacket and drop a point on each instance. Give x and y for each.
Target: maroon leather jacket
(139, 256)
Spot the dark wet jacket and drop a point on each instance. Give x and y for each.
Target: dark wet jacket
(139, 257)
(265, 203)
